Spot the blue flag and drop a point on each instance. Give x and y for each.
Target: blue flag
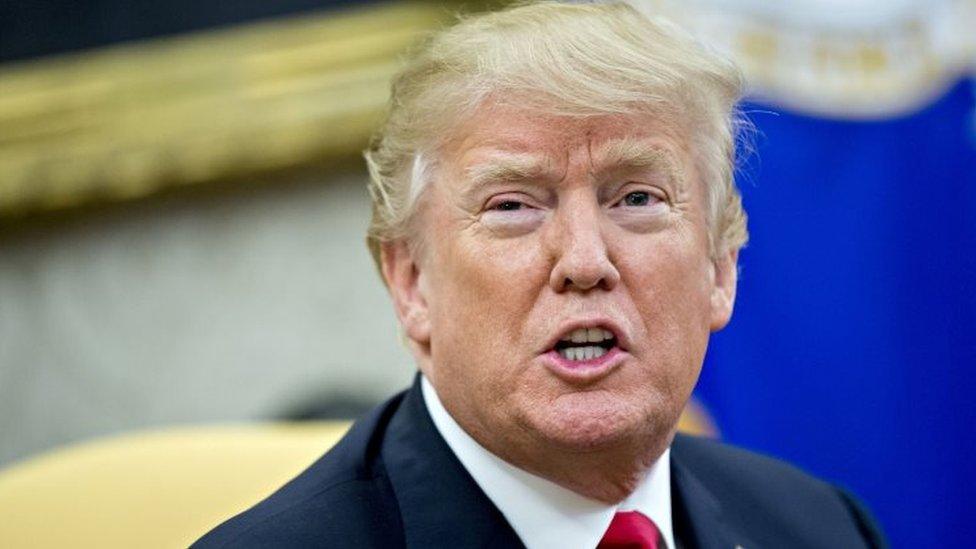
(852, 350)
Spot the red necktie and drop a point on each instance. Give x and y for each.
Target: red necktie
(631, 530)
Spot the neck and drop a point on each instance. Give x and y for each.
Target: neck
(608, 474)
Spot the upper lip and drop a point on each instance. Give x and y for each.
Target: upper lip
(595, 322)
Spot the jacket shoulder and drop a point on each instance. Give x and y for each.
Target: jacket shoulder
(344, 499)
(763, 494)
(737, 470)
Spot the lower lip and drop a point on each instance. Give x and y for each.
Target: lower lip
(584, 370)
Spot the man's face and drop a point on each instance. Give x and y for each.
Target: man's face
(564, 294)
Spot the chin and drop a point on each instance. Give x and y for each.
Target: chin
(592, 421)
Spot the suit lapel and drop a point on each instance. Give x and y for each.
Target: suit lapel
(440, 504)
(698, 518)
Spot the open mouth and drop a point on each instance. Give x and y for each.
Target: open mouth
(586, 344)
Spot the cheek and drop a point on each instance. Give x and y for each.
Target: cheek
(490, 279)
(482, 297)
(669, 285)
(482, 294)
(673, 264)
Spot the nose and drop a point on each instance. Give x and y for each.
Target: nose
(582, 260)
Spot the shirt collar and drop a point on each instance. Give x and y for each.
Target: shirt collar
(542, 513)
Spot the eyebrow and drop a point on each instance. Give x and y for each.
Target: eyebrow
(618, 154)
(508, 167)
(635, 154)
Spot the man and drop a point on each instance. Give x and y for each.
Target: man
(556, 220)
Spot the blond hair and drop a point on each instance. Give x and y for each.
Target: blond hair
(563, 59)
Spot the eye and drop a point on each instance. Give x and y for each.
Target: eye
(508, 206)
(510, 202)
(637, 199)
(512, 214)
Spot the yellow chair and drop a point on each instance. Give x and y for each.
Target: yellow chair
(159, 489)
(166, 488)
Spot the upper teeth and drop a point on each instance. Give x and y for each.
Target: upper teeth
(588, 335)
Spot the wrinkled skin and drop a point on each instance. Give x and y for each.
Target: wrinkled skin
(511, 256)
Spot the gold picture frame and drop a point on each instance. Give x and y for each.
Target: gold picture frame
(131, 120)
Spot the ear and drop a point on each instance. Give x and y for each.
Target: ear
(726, 276)
(404, 279)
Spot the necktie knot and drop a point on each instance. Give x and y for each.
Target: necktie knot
(631, 530)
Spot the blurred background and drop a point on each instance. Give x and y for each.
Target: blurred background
(182, 217)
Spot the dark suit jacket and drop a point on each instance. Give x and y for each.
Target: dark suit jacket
(392, 481)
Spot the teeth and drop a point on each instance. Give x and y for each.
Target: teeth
(588, 335)
(582, 353)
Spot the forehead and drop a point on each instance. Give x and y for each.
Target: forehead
(494, 129)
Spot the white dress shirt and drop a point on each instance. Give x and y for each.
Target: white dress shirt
(542, 513)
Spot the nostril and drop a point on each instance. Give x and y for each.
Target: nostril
(575, 272)
(586, 283)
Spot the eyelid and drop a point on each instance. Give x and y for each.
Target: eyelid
(511, 196)
(632, 187)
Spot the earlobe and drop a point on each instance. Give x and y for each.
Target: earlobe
(404, 280)
(726, 276)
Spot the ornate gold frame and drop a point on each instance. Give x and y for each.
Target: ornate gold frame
(130, 120)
